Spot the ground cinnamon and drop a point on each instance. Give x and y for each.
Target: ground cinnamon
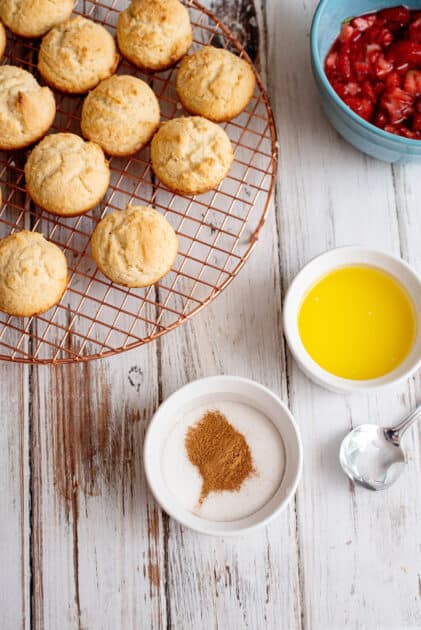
(220, 452)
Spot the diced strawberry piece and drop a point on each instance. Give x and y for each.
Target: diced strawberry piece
(398, 104)
(418, 106)
(395, 17)
(364, 22)
(407, 133)
(415, 31)
(378, 88)
(331, 61)
(416, 123)
(404, 53)
(380, 120)
(380, 66)
(368, 91)
(344, 66)
(361, 69)
(352, 88)
(347, 33)
(361, 106)
(393, 80)
(412, 83)
(395, 129)
(379, 34)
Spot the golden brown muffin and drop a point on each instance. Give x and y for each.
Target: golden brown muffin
(215, 84)
(27, 110)
(121, 115)
(76, 55)
(2, 40)
(191, 155)
(66, 175)
(33, 274)
(154, 34)
(34, 18)
(135, 247)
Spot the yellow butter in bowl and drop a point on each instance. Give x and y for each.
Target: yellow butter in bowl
(357, 322)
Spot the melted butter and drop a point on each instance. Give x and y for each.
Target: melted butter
(357, 323)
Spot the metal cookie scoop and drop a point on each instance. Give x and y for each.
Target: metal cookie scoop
(373, 456)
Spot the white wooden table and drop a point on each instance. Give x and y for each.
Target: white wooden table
(82, 543)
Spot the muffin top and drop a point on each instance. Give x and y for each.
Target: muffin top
(76, 55)
(215, 83)
(33, 274)
(66, 175)
(34, 18)
(121, 115)
(154, 34)
(191, 155)
(27, 110)
(135, 247)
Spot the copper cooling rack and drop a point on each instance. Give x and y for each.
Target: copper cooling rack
(217, 231)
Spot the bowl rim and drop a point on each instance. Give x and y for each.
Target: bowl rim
(319, 67)
(290, 316)
(206, 526)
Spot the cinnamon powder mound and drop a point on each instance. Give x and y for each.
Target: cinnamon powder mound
(220, 452)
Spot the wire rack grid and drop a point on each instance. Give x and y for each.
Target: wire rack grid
(217, 231)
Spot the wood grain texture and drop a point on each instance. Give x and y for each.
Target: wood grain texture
(84, 544)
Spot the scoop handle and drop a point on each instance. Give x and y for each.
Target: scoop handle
(395, 434)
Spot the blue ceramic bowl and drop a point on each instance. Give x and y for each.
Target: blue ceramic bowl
(362, 135)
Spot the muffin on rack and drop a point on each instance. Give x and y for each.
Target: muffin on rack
(27, 109)
(215, 84)
(121, 115)
(34, 18)
(154, 34)
(76, 55)
(135, 247)
(2, 40)
(33, 274)
(191, 155)
(66, 175)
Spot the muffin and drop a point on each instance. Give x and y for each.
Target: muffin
(33, 274)
(27, 109)
(154, 34)
(215, 84)
(2, 40)
(66, 175)
(121, 115)
(34, 18)
(76, 55)
(135, 247)
(191, 155)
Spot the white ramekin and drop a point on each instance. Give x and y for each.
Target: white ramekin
(240, 390)
(316, 269)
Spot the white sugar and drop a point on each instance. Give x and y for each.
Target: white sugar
(267, 449)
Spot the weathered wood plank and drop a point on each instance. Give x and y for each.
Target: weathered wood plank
(359, 555)
(14, 498)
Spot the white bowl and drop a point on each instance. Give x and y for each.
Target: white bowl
(235, 389)
(316, 269)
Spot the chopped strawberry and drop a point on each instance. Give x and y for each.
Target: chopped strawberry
(331, 61)
(368, 91)
(393, 80)
(379, 34)
(344, 65)
(404, 53)
(361, 106)
(415, 31)
(380, 66)
(375, 68)
(380, 120)
(347, 33)
(412, 83)
(416, 123)
(398, 104)
(361, 69)
(364, 22)
(395, 17)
